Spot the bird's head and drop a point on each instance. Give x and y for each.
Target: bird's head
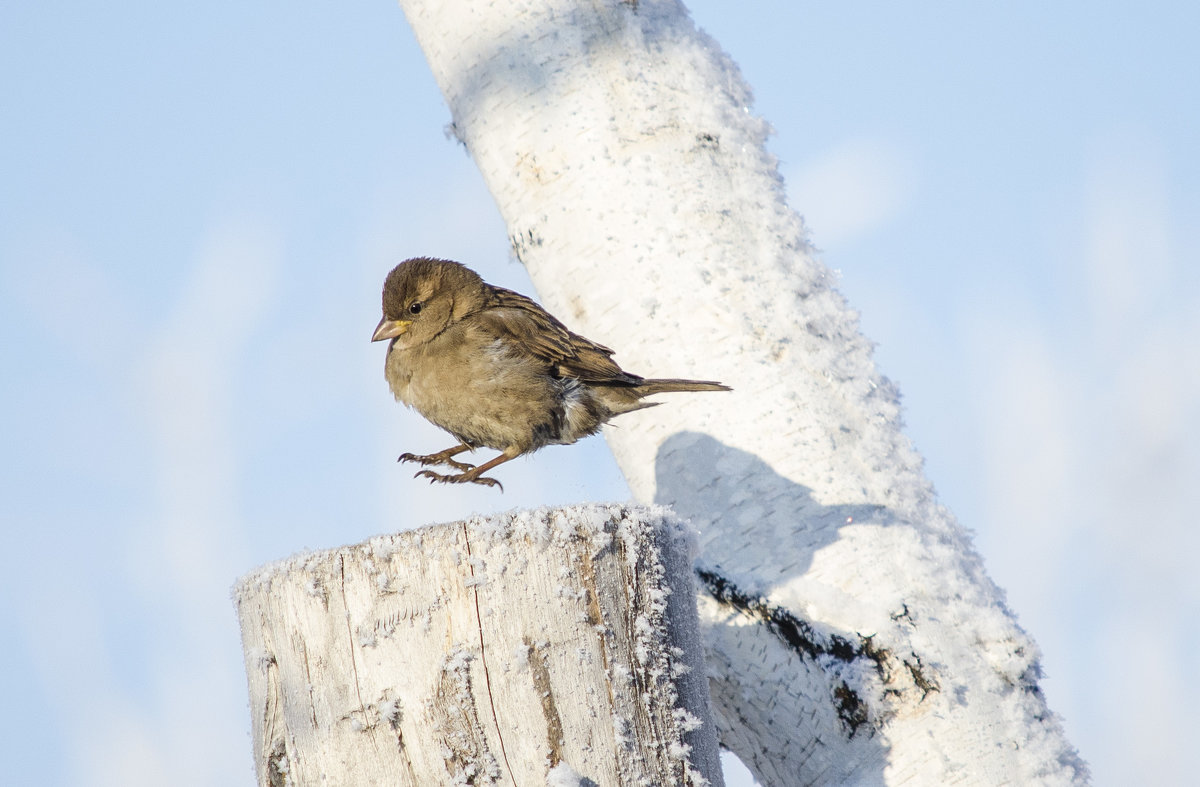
(422, 296)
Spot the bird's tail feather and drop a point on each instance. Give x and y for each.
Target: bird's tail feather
(648, 387)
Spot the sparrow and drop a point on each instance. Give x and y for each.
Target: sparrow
(496, 370)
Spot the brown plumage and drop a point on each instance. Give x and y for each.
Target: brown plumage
(495, 369)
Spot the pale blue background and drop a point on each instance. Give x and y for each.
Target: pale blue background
(198, 204)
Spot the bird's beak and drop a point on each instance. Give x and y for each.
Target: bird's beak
(389, 328)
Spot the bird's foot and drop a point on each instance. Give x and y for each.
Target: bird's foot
(440, 458)
(462, 478)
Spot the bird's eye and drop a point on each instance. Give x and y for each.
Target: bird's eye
(415, 308)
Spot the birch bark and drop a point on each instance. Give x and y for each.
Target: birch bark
(853, 633)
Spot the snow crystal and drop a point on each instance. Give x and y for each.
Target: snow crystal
(678, 751)
(457, 661)
(563, 775)
(389, 710)
(261, 657)
(621, 728)
(686, 720)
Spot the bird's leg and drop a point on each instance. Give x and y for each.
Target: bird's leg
(440, 458)
(475, 475)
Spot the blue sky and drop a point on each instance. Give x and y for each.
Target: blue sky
(198, 205)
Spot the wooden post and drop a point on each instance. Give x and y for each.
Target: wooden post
(557, 646)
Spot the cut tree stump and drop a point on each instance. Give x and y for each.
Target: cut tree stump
(557, 646)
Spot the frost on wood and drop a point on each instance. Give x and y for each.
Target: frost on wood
(557, 646)
(853, 633)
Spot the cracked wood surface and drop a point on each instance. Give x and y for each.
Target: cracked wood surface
(483, 652)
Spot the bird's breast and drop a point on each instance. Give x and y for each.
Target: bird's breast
(480, 389)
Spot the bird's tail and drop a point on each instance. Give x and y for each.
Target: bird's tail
(648, 387)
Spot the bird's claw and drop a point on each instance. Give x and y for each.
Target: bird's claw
(462, 478)
(436, 459)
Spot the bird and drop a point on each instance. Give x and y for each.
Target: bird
(496, 370)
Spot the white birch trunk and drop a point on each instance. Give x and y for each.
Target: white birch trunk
(557, 645)
(853, 633)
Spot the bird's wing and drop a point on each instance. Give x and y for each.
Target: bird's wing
(533, 330)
